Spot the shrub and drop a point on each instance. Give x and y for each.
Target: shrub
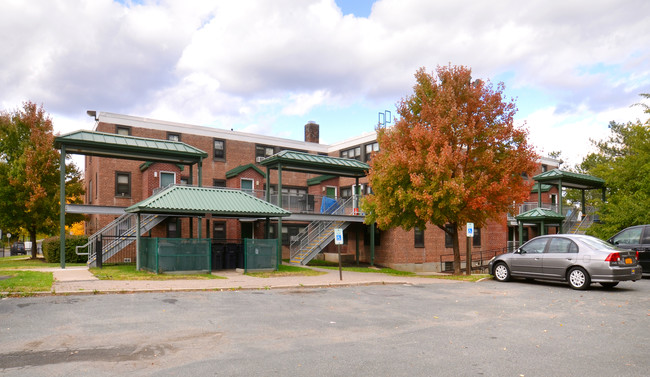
(51, 249)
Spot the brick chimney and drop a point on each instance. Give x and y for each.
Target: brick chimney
(311, 132)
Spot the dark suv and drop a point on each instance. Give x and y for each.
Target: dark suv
(17, 248)
(635, 238)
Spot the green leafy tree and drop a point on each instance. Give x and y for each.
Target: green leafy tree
(29, 173)
(623, 161)
(453, 156)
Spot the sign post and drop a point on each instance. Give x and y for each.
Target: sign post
(338, 241)
(468, 257)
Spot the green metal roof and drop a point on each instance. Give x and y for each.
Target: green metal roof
(240, 169)
(545, 188)
(310, 163)
(570, 179)
(145, 165)
(320, 179)
(537, 214)
(102, 144)
(190, 200)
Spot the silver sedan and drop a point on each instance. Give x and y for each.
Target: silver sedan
(578, 259)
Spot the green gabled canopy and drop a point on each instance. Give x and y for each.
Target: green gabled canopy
(190, 200)
(145, 165)
(320, 179)
(102, 144)
(570, 179)
(545, 188)
(240, 169)
(538, 214)
(311, 163)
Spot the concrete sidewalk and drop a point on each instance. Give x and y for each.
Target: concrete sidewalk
(78, 280)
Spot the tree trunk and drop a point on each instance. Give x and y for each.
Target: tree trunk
(32, 237)
(456, 245)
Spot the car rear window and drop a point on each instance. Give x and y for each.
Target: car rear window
(598, 244)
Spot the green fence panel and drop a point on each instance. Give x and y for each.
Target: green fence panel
(260, 254)
(175, 254)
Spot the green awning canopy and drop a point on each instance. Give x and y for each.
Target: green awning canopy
(189, 200)
(320, 179)
(570, 179)
(91, 143)
(545, 188)
(242, 168)
(539, 214)
(311, 163)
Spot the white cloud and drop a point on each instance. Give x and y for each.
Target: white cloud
(248, 64)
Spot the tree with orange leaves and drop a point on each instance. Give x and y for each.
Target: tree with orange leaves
(454, 156)
(29, 173)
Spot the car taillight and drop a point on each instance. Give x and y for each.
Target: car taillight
(637, 255)
(613, 258)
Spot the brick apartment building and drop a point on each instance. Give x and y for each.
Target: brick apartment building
(234, 162)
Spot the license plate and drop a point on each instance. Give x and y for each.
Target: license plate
(628, 260)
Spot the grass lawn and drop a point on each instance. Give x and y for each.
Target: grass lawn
(25, 282)
(390, 271)
(128, 272)
(286, 271)
(21, 261)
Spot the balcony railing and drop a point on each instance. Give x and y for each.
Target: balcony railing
(306, 203)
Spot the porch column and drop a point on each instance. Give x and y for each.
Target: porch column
(521, 233)
(280, 217)
(137, 244)
(62, 209)
(559, 189)
(267, 231)
(539, 194)
(584, 211)
(200, 171)
(372, 244)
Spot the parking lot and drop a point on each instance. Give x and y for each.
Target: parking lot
(461, 329)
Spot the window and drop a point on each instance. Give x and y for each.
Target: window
(553, 199)
(122, 184)
(346, 192)
(562, 245)
(219, 230)
(247, 185)
(289, 233)
(628, 237)
(418, 237)
(185, 181)
(535, 246)
(449, 242)
(90, 192)
(354, 153)
(544, 168)
(167, 179)
(264, 151)
(477, 237)
(173, 137)
(219, 149)
(173, 228)
(370, 148)
(123, 130)
(646, 235)
(219, 182)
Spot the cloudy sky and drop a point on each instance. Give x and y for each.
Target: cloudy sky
(268, 67)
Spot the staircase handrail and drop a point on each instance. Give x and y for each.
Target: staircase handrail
(316, 228)
(569, 221)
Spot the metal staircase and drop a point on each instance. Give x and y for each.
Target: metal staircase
(313, 239)
(117, 235)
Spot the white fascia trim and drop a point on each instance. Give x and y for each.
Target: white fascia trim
(217, 133)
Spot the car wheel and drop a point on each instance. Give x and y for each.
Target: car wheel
(609, 285)
(501, 272)
(579, 278)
